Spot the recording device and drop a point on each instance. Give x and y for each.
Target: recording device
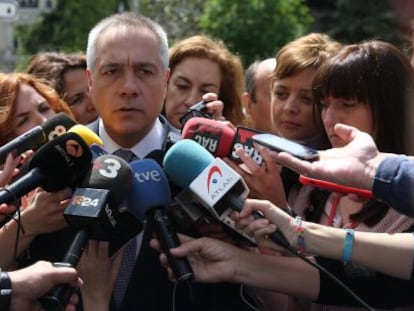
(197, 110)
(37, 136)
(114, 173)
(243, 139)
(87, 135)
(280, 144)
(220, 192)
(58, 164)
(93, 212)
(322, 184)
(214, 136)
(152, 199)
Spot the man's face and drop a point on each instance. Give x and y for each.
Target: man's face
(128, 84)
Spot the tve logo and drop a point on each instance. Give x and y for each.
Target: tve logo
(153, 175)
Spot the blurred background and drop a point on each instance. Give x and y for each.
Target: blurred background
(252, 28)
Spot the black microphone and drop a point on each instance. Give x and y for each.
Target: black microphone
(107, 167)
(37, 136)
(93, 212)
(58, 164)
(215, 184)
(197, 110)
(151, 201)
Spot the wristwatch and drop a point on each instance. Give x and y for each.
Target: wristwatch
(5, 291)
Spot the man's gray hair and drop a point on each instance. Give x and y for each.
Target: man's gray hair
(126, 19)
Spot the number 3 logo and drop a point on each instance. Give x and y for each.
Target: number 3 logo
(111, 169)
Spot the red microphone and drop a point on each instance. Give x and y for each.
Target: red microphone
(214, 136)
(220, 139)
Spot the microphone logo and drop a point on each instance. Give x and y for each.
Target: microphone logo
(58, 131)
(85, 201)
(210, 179)
(73, 148)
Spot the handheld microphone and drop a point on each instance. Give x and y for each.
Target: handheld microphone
(59, 163)
(214, 136)
(93, 212)
(105, 170)
(37, 136)
(84, 132)
(221, 140)
(197, 110)
(243, 139)
(215, 184)
(87, 134)
(152, 197)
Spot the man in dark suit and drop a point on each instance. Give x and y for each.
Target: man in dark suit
(127, 59)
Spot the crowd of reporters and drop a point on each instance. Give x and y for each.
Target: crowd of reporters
(99, 207)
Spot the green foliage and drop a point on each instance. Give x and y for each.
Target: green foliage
(255, 28)
(65, 28)
(351, 21)
(178, 17)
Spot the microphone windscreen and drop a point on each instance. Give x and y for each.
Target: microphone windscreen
(157, 155)
(62, 161)
(184, 161)
(215, 136)
(149, 188)
(58, 125)
(110, 172)
(87, 134)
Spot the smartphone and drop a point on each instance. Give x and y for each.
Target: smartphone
(334, 187)
(279, 144)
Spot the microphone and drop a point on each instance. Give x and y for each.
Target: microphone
(243, 139)
(214, 136)
(197, 110)
(57, 164)
(105, 170)
(37, 136)
(152, 197)
(87, 135)
(221, 140)
(93, 212)
(215, 184)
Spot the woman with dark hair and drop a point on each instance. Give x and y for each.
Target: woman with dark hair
(66, 73)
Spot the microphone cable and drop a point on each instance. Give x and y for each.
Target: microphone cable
(331, 276)
(16, 219)
(189, 287)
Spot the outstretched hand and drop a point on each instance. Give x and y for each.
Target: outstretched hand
(352, 165)
(211, 260)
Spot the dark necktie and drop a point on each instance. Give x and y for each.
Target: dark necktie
(128, 257)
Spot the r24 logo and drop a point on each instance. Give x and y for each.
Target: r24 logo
(85, 201)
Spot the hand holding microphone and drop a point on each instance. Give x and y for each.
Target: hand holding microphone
(151, 201)
(217, 187)
(94, 212)
(37, 136)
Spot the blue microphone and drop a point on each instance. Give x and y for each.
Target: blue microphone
(216, 185)
(150, 200)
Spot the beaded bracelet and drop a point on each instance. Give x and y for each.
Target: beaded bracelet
(300, 242)
(348, 245)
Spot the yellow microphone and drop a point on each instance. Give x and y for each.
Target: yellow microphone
(87, 135)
